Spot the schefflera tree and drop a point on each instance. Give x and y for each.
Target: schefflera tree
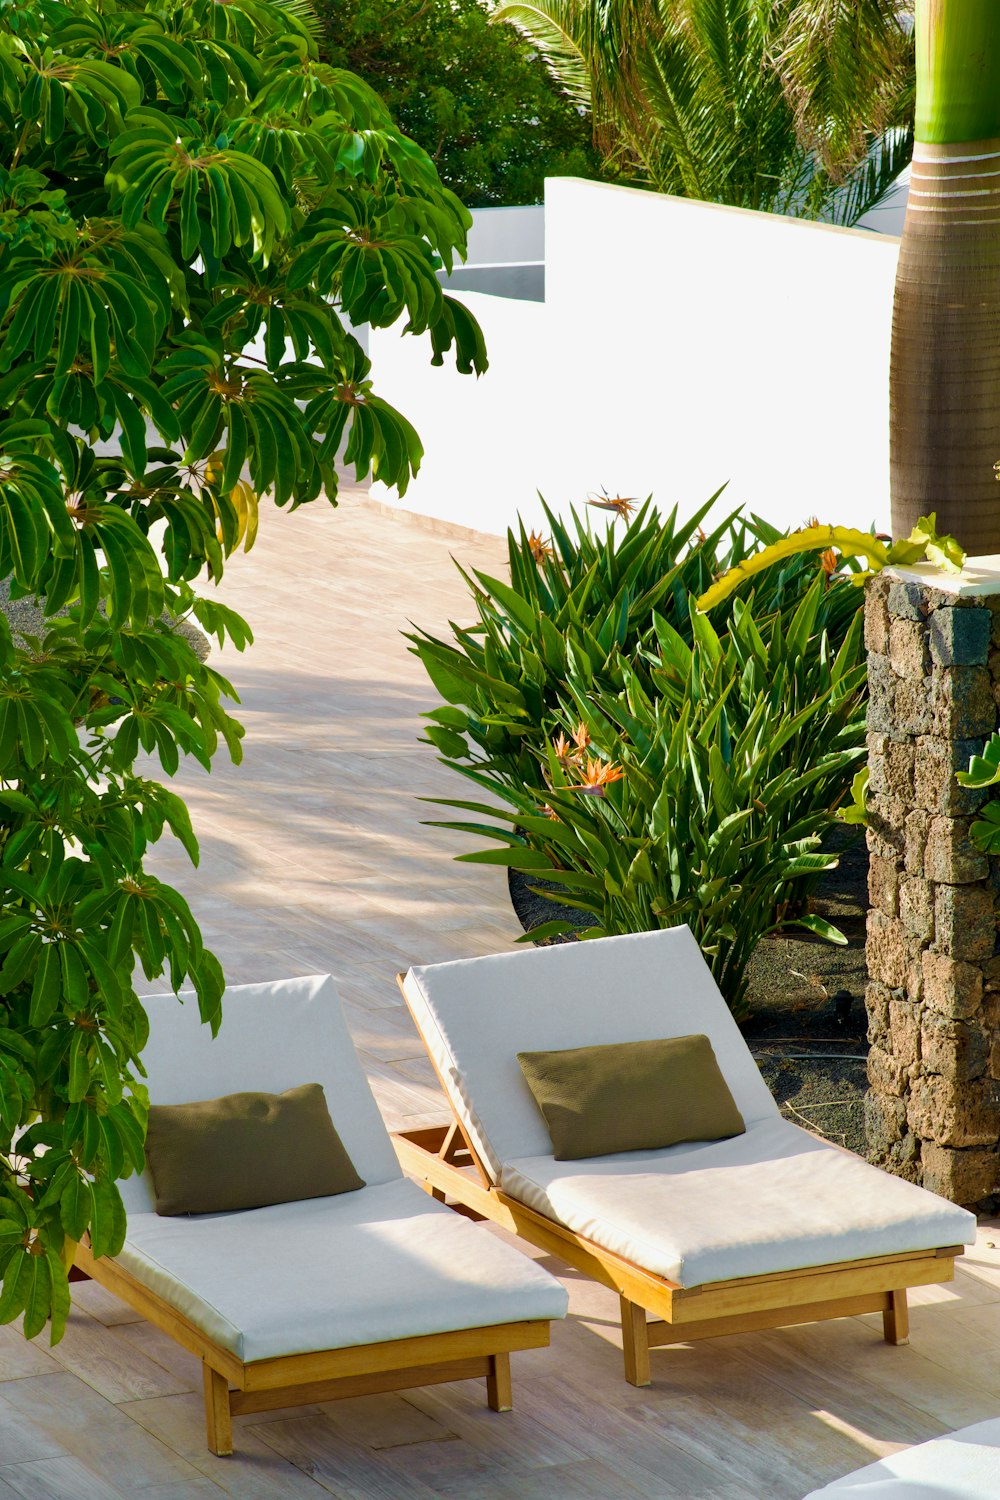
(189, 201)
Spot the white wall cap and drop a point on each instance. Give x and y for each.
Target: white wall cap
(979, 578)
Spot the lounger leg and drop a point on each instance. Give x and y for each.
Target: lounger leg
(896, 1319)
(498, 1388)
(635, 1342)
(218, 1418)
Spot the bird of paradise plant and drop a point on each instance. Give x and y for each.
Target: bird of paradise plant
(838, 542)
(652, 766)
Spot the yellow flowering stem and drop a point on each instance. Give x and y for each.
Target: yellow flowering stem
(844, 539)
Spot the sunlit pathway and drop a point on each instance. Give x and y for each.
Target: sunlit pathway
(314, 858)
(313, 853)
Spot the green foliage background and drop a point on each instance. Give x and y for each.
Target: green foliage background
(800, 107)
(189, 203)
(476, 96)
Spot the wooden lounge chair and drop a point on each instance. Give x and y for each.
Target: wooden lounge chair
(768, 1228)
(962, 1465)
(328, 1297)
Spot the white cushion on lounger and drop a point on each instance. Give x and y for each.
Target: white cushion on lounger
(962, 1466)
(273, 1037)
(774, 1199)
(382, 1263)
(477, 1014)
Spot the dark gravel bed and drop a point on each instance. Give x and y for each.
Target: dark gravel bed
(807, 1028)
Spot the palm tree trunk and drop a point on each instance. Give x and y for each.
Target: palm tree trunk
(944, 420)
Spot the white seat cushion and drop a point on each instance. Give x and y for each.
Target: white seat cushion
(774, 1199)
(477, 1014)
(963, 1466)
(382, 1263)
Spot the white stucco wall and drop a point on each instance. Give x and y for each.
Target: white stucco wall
(680, 345)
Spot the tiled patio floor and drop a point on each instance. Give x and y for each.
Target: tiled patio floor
(314, 859)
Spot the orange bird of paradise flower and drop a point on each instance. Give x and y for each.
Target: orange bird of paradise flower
(562, 750)
(539, 548)
(618, 503)
(597, 774)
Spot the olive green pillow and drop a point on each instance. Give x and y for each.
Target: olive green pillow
(246, 1151)
(631, 1096)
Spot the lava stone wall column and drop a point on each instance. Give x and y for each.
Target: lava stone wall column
(933, 1110)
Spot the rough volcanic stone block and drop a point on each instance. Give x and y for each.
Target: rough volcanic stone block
(993, 605)
(937, 1111)
(877, 997)
(885, 1121)
(878, 784)
(907, 601)
(917, 826)
(965, 921)
(886, 951)
(959, 1050)
(951, 987)
(886, 833)
(962, 703)
(881, 694)
(949, 856)
(935, 764)
(904, 1032)
(959, 637)
(899, 759)
(908, 649)
(883, 884)
(916, 908)
(916, 710)
(964, 1176)
(886, 1073)
(876, 618)
(914, 972)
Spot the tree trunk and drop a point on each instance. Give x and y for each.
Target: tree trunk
(944, 390)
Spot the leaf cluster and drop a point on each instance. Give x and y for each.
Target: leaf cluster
(477, 97)
(984, 772)
(800, 107)
(194, 212)
(711, 757)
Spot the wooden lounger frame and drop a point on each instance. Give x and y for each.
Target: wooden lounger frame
(444, 1162)
(232, 1387)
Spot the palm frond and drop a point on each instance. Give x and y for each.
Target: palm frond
(868, 184)
(847, 67)
(559, 30)
(793, 106)
(304, 13)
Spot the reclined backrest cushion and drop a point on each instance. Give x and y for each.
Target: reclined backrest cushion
(273, 1037)
(477, 1014)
